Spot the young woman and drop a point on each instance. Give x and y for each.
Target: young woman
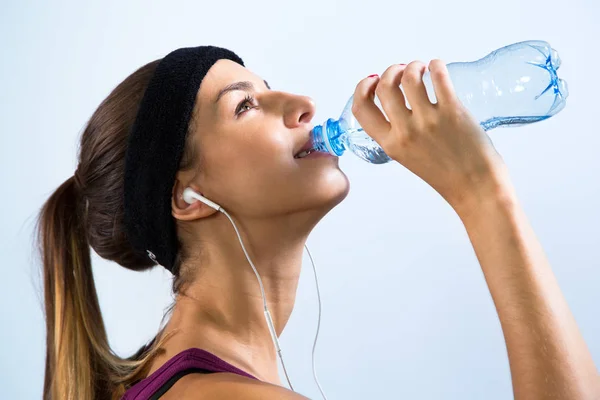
(199, 119)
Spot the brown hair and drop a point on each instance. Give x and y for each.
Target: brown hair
(87, 210)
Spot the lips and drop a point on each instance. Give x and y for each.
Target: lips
(307, 146)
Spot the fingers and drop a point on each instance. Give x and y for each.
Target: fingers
(442, 85)
(389, 93)
(393, 99)
(414, 88)
(366, 111)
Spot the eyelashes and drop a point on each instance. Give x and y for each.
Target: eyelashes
(247, 104)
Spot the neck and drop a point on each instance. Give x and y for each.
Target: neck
(221, 310)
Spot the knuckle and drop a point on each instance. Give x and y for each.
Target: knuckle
(361, 93)
(415, 66)
(413, 73)
(391, 77)
(437, 76)
(438, 71)
(358, 90)
(386, 81)
(356, 109)
(410, 78)
(390, 71)
(436, 64)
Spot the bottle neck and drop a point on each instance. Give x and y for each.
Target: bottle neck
(326, 138)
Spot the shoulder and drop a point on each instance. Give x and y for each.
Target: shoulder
(224, 385)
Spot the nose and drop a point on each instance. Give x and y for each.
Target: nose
(298, 111)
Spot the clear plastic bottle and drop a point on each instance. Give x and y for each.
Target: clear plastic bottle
(512, 86)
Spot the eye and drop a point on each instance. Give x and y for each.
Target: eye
(245, 105)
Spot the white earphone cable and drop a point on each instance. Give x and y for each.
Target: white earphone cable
(268, 314)
(188, 196)
(318, 324)
(262, 290)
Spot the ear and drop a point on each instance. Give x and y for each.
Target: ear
(188, 212)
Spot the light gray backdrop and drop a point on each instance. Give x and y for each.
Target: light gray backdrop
(406, 311)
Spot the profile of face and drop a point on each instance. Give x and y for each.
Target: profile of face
(246, 137)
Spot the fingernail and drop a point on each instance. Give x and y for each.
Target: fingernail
(372, 76)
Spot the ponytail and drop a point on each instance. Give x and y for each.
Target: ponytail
(75, 334)
(79, 362)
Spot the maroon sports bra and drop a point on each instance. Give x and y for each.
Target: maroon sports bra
(187, 362)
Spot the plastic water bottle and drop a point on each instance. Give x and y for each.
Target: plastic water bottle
(512, 86)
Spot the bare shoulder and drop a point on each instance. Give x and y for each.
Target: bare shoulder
(224, 385)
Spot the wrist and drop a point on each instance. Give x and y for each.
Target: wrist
(497, 193)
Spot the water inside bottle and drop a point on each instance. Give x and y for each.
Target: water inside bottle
(364, 147)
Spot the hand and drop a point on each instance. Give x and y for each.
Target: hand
(441, 143)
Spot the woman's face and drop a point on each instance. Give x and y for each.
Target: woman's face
(246, 137)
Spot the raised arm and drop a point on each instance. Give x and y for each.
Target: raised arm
(548, 356)
(442, 144)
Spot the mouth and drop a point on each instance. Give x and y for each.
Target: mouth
(305, 150)
(304, 153)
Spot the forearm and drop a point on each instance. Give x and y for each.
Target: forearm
(548, 356)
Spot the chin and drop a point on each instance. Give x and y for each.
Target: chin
(315, 194)
(333, 189)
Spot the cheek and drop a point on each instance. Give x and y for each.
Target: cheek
(251, 167)
(266, 165)
(260, 150)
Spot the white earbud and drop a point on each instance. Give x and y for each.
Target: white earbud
(189, 196)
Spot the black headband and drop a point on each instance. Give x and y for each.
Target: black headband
(155, 147)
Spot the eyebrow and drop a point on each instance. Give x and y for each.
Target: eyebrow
(244, 86)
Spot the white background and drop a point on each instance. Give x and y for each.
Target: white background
(406, 311)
